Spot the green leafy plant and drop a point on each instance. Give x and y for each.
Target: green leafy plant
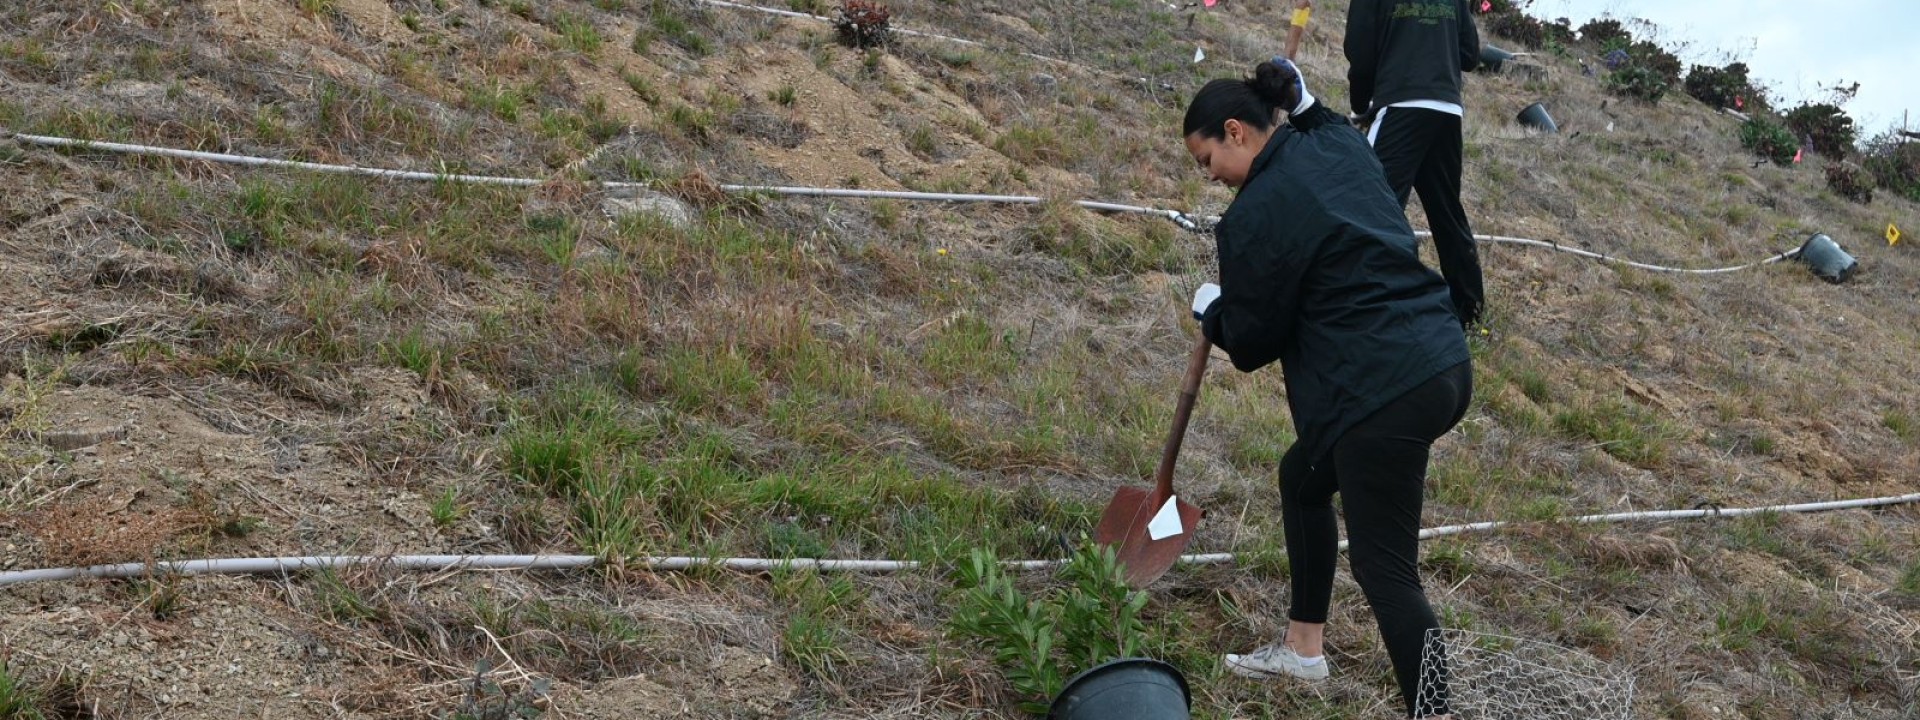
(1518, 27)
(1638, 81)
(1894, 163)
(1726, 87)
(1039, 642)
(1769, 140)
(1827, 128)
(1665, 65)
(1605, 33)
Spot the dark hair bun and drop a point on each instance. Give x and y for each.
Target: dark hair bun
(1276, 85)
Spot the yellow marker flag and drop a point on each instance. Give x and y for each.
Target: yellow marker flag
(1893, 235)
(1300, 16)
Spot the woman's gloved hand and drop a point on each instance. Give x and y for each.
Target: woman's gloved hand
(1203, 298)
(1297, 98)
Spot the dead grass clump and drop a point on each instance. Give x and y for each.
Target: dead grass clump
(697, 188)
(1637, 552)
(100, 530)
(756, 121)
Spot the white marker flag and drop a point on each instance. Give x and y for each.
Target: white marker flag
(1166, 523)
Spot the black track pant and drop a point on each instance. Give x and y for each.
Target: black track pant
(1379, 468)
(1421, 151)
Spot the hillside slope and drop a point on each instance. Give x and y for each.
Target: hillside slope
(207, 360)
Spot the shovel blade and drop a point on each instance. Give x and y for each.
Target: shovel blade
(1124, 526)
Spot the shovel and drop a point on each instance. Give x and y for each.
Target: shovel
(1150, 526)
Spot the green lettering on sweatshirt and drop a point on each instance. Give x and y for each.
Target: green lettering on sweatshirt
(1426, 13)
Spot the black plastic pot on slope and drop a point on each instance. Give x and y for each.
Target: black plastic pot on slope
(1536, 117)
(1493, 58)
(1826, 258)
(1131, 688)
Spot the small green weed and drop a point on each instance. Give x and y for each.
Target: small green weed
(447, 508)
(816, 633)
(664, 23)
(641, 86)
(612, 512)
(340, 601)
(703, 380)
(579, 34)
(1909, 582)
(1624, 430)
(923, 140)
(18, 700)
(497, 99)
(415, 352)
(693, 124)
(1902, 424)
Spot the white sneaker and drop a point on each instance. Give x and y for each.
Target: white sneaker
(1275, 660)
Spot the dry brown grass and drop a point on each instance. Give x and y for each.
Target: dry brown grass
(96, 530)
(396, 337)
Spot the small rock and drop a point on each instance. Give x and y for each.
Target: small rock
(673, 211)
(1045, 81)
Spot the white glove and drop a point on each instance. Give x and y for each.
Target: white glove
(1304, 99)
(1203, 298)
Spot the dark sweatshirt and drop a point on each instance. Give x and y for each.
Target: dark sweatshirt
(1318, 270)
(1400, 50)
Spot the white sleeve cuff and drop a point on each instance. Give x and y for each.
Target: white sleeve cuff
(1306, 100)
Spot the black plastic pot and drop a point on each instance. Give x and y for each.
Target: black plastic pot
(1493, 58)
(1536, 117)
(1131, 688)
(1827, 259)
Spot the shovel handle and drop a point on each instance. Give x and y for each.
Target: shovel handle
(1189, 389)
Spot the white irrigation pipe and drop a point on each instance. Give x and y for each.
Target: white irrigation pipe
(1176, 216)
(1628, 263)
(243, 566)
(249, 160)
(1179, 218)
(252, 161)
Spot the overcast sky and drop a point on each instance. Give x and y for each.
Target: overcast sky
(1795, 47)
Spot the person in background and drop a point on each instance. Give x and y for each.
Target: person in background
(1405, 58)
(1319, 270)
(1297, 29)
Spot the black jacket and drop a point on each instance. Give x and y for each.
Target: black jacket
(1318, 270)
(1400, 50)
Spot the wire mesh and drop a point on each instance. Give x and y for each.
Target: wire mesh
(1478, 676)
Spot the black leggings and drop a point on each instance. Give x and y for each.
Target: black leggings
(1379, 467)
(1421, 151)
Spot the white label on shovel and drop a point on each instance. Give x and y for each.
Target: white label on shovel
(1166, 523)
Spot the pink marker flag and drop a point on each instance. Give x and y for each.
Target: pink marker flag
(1796, 155)
(1486, 5)
(1211, 3)
(1739, 103)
